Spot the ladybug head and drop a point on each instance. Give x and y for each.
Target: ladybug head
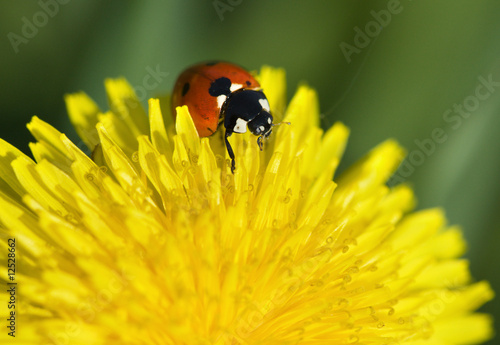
(261, 125)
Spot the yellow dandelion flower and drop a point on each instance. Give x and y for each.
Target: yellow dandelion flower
(154, 241)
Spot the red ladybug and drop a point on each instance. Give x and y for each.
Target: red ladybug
(221, 92)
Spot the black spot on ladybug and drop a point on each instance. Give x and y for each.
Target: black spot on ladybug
(248, 83)
(221, 86)
(211, 63)
(185, 89)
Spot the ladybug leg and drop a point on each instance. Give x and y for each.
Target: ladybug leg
(230, 151)
(260, 143)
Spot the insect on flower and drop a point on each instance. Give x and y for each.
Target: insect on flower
(221, 92)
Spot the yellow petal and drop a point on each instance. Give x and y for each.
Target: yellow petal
(332, 146)
(83, 111)
(417, 228)
(43, 151)
(124, 170)
(31, 180)
(118, 130)
(159, 136)
(161, 175)
(125, 104)
(12, 187)
(273, 83)
(44, 132)
(450, 274)
(22, 225)
(186, 131)
(470, 329)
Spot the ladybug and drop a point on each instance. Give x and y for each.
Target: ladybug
(221, 92)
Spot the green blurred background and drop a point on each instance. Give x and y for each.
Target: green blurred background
(407, 81)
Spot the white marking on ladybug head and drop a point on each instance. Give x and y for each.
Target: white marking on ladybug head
(220, 100)
(265, 104)
(262, 129)
(241, 126)
(235, 87)
(269, 120)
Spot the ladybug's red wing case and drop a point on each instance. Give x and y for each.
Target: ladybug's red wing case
(191, 89)
(236, 74)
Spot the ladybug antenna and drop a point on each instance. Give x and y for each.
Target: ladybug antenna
(280, 123)
(266, 135)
